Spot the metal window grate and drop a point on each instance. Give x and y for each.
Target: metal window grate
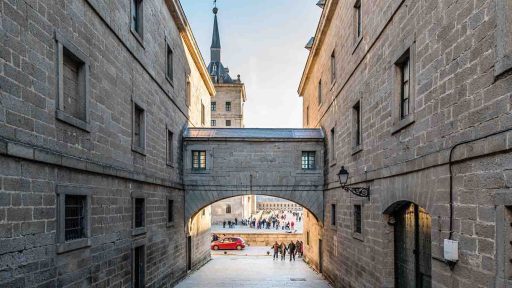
(357, 219)
(74, 218)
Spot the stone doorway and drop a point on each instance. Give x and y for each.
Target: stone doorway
(412, 242)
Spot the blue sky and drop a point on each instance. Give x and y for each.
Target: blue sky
(263, 41)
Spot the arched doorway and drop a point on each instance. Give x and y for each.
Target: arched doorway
(412, 246)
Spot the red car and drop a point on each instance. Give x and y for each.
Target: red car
(232, 243)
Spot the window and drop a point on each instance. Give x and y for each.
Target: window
(404, 87)
(203, 120)
(170, 70)
(228, 123)
(188, 92)
(214, 106)
(307, 238)
(308, 160)
(137, 16)
(332, 142)
(228, 209)
(139, 213)
(333, 67)
(72, 84)
(319, 93)
(199, 160)
(170, 210)
(203, 212)
(138, 128)
(358, 20)
(333, 214)
(357, 219)
(75, 217)
(228, 106)
(214, 123)
(356, 128)
(138, 268)
(170, 150)
(307, 115)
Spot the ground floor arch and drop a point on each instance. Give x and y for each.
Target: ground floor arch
(411, 244)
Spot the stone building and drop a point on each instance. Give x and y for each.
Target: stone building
(415, 100)
(95, 96)
(273, 203)
(227, 110)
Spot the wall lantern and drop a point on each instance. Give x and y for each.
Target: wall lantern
(358, 191)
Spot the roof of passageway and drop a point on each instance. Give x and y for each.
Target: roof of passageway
(251, 134)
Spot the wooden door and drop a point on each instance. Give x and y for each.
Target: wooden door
(412, 248)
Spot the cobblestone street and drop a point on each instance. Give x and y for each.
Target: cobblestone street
(253, 271)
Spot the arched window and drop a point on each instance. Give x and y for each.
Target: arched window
(228, 209)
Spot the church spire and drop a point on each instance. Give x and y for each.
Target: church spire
(215, 47)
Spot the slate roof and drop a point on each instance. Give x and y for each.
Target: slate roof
(254, 133)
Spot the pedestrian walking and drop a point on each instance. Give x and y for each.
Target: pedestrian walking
(283, 251)
(291, 250)
(224, 224)
(236, 221)
(276, 247)
(297, 248)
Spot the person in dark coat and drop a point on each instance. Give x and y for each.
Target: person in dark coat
(275, 247)
(291, 250)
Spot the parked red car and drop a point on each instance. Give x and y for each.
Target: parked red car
(232, 243)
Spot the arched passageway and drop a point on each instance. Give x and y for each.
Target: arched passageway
(222, 163)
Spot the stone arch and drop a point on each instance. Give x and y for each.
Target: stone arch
(196, 203)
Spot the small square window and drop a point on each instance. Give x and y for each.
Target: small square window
(308, 160)
(214, 106)
(137, 16)
(228, 106)
(228, 209)
(170, 146)
(139, 213)
(228, 123)
(139, 267)
(138, 128)
(333, 214)
(199, 160)
(75, 217)
(214, 123)
(358, 219)
(170, 211)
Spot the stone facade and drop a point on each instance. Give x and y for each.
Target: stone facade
(239, 207)
(234, 94)
(47, 154)
(453, 143)
(253, 162)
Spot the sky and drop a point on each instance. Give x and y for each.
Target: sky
(263, 41)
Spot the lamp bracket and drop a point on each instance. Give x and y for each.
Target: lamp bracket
(358, 191)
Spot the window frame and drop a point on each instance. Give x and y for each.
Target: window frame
(213, 123)
(228, 106)
(169, 63)
(62, 45)
(228, 121)
(359, 235)
(332, 144)
(169, 147)
(319, 93)
(199, 168)
(137, 9)
(333, 68)
(62, 191)
(135, 146)
(170, 213)
(228, 209)
(357, 127)
(309, 166)
(333, 215)
(358, 22)
(203, 114)
(407, 52)
(142, 229)
(213, 106)
(188, 91)
(503, 37)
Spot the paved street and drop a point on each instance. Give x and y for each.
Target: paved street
(226, 271)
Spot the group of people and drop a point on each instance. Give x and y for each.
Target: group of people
(292, 249)
(231, 224)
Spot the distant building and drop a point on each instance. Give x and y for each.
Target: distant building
(227, 110)
(274, 203)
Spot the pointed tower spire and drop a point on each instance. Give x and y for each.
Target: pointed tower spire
(215, 47)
